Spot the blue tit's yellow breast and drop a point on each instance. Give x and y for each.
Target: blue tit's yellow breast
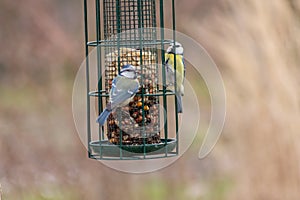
(179, 62)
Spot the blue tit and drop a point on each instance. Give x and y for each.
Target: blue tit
(175, 51)
(123, 89)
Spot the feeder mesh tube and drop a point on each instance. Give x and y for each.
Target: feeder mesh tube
(130, 40)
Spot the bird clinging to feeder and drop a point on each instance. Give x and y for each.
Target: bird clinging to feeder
(176, 51)
(124, 87)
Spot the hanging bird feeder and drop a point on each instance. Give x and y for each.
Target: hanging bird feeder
(125, 36)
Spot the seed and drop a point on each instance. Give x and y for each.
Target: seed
(135, 58)
(125, 137)
(136, 135)
(146, 108)
(146, 62)
(127, 142)
(134, 54)
(113, 134)
(113, 140)
(148, 120)
(131, 104)
(137, 98)
(138, 68)
(111, 69)
(139, 119)
(134, 63)
(135, 115)
(139, 104)
(129, 59)
(124, 50)
(138, 53)
(111, 57)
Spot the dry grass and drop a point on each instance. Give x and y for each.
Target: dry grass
(256, 45)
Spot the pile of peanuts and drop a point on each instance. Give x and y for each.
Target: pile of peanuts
(138, 123)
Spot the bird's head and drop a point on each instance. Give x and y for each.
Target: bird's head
(128, 71)
(175, 49)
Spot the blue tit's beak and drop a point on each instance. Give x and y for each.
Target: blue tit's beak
(171, 50)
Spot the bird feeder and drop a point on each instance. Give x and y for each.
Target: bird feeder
(124, 34)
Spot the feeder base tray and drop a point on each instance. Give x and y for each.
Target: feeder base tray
(105, 148)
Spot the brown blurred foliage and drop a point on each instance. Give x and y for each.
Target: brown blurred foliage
(256, 47)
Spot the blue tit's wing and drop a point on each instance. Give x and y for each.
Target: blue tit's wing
(170, 74)
(114, 84)
(167, 60)
(122, 89)
(179, 103)
(169, 70)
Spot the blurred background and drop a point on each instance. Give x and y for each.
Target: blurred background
(256, 46)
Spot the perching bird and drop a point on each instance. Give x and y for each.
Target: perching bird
(172, 52)
(123, 89)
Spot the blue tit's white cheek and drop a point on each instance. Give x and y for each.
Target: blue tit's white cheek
(129, 74)
(179, 50)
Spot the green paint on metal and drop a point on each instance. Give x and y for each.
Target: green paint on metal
(87, 77)
(175, 75)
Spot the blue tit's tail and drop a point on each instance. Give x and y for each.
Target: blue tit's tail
(103, 117)
(179, 103)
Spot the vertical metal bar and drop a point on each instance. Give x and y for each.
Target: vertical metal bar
(118, 30)
(175, 67)
(140, 29)
(104, 18)
(87, 77)
(154, 14)
(118, 11)
(125, 19)
(154, 32)
(99, 71)
(164, 72)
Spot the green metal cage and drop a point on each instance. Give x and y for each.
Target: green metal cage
(125, 33)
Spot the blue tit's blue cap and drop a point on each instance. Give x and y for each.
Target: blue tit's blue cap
(128, 68)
